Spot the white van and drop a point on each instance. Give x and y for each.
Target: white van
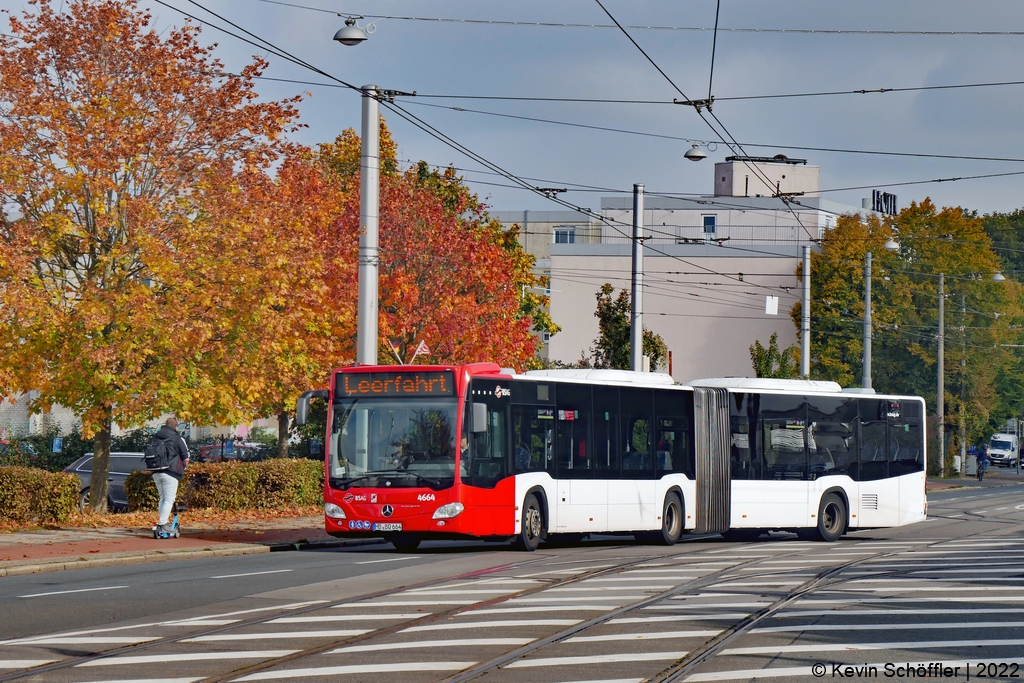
(1004, 449)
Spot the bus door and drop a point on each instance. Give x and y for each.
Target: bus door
(879, 490)
(785, 473)
(631, 500)
(906, 457)
(582, 499)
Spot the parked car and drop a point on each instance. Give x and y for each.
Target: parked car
(239, 451)
(121, 465)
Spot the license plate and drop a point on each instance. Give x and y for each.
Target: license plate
(388, 526)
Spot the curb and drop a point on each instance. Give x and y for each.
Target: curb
(137, 557)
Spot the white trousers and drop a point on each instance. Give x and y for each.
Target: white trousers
(168, 488)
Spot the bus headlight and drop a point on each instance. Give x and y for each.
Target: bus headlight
(448, 511)
(333, 511)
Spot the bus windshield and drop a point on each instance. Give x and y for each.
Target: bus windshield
(403, 442)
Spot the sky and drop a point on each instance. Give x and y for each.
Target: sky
(457, 58)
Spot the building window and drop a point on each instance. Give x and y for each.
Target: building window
(710, 225)
(547, 337)
(565, 235)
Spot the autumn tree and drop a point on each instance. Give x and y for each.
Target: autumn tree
(980, 319)
(117, 272)
(611, 348)
(772, 362)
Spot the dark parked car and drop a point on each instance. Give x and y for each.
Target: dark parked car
(121, 465)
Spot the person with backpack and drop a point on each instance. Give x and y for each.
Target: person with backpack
(983, 460)
(167, 458)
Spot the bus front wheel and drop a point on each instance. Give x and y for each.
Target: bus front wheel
(404, 543)
(532, 525)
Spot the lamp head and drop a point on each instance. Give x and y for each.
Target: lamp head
(998, 277)
(351, 34)
(892, 245)
(695, 153)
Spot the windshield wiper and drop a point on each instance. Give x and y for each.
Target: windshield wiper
(391, 473)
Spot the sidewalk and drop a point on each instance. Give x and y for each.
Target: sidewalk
(31, 552)
(995, 477)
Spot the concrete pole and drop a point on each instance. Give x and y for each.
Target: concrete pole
(963, 370)
(369, 215)
(941, 398)
(636, 339)
(866, 379)
(805, 323)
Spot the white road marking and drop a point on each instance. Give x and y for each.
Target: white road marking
(570, 598)
(492, 624)
(24, 663)
(832, 647)
(80, 590)
(611, 680)
(583, 588)
(461, 591)
(187, 657)
(153, 680)
(755, 584)
(357, 669)
(887, 612)
(896, 600)
(632, 577)
(890, 627)
(405, 603)
(85, 640)
(538, 608)
(681, 617)
(390, 559)
(235, 576)
(342, 617)
(415, 644)
(656, 635)
(596, 659)
(221, 637)
(921, 589)
(711, 605)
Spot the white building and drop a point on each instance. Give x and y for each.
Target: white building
(710, 265)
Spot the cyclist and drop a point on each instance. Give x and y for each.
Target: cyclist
(983, 461)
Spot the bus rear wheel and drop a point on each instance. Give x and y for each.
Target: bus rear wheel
(671, 520)
(531, 527)
(831, 521)
(404, 543)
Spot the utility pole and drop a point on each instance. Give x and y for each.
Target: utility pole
(963, 369)
(866, 380)
(636, 338)
(369, 217)
(941, 397)
(805, 314)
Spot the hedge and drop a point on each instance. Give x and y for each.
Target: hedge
(30, 493)
(236, 485)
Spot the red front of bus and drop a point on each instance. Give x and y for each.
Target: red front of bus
(395, 456)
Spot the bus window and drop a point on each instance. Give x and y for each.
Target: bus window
(637, 458)
(906, 445)
(873, 449)
(488, 453)
(831, 435)
(605, 450)
(673, 433)
(783, 430)
(745, 461)
(572, 431)
(532, 437)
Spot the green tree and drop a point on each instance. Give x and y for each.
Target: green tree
(771, 362)
(612, 347)
(979, 319)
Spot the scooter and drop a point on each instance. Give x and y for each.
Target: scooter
(173, 531)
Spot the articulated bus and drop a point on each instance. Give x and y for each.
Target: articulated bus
(475, 451)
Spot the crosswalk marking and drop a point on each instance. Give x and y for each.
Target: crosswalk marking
(419, 644)
(391, 667)
(187, 657)
(652, 635)
(223, 637)
(505, 623)
(596, 659)
(888, 645)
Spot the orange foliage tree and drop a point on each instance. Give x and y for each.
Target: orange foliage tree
(119, 277)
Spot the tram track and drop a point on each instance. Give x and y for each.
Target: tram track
(426, 618)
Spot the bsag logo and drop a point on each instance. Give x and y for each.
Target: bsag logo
(387, 511)
(349, 497)
(373, 497)
(501, 392)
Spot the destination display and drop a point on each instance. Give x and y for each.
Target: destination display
(396, 383)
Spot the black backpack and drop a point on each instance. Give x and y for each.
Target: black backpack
(159, 454)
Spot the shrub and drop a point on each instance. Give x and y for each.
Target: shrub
(235, 485)
(30, 493)
(141, 492)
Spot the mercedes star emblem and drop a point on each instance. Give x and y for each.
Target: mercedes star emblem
(387, 511)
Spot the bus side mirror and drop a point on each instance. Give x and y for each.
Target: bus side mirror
(479, 418)
(302, 405)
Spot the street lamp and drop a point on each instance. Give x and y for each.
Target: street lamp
(695, 153)
(890, 245)
(351, 34)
